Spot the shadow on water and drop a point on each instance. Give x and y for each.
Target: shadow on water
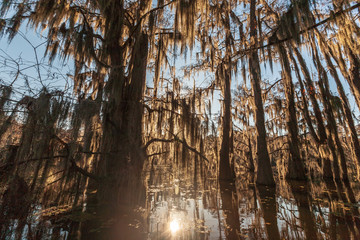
(185, 204)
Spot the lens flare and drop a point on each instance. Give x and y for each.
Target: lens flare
(174, 226)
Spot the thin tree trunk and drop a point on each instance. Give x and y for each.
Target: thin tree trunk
(226, 170)
(347, 112)
(305, 108)
(354, 75)
(333, 132)
(326, 164)
(251, 159)
(312, 95)
(296, 168)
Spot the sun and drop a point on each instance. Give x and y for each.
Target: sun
(174, 226)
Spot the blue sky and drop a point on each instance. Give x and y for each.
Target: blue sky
(20, 54)
(55, 76)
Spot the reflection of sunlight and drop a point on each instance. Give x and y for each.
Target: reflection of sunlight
(174, 226)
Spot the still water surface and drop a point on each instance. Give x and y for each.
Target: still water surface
(183, 205)
(180, 209)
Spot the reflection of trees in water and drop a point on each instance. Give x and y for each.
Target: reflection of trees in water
(230, 209)
(301, 192)
(267, 199)
(204, 210)
(343, 211)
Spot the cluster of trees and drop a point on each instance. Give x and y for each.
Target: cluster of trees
(99, 142)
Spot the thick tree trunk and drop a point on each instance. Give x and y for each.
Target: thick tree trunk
(264, 170)
(296, 168)
(119, 188)
(123, 128)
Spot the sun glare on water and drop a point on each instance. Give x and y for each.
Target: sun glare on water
(174, 226)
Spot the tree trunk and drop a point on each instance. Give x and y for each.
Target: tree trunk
(123, 128)
(354, 75)
(264, 170)
(226, 172)
(119, 187)
(333, 133)
(305, 108)
(326, 164)
(348, 115)
(250, 156)
(296, 168)
(226, 169)
(312, 95)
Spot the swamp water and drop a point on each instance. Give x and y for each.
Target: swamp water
(181, 205)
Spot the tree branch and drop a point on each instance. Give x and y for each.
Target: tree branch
(143, 17)
(178, 140)
(74, 165)
(3, 167)
(244, 52)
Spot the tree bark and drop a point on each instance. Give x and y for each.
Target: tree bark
(305, 108)
(296, 168)
(312, 94)
(326, 164)
(354, 75)
(226, 169)
(264, 170)
(333, 132)
(120, 188)
(347, 113)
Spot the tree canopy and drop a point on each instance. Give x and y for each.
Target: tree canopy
(132, 105)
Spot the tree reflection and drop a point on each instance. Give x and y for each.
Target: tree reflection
(267, 199)
(300, 191)
(177, 208)
(230, 209)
